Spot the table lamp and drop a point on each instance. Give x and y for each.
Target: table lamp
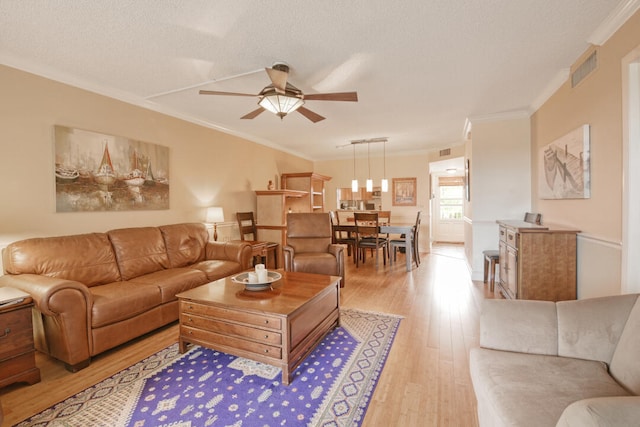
(214, 216)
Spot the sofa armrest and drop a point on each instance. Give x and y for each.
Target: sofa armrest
(66, 307)
(239, 252)
(602, 411)
(519, 325)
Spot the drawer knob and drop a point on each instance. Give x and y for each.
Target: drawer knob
(6, 333)
(266, 336)
(266, 322)
(266, 351)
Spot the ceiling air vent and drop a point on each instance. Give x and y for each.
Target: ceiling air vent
(584, 69)
(445, 152)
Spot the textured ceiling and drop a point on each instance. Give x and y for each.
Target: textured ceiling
(420, 67)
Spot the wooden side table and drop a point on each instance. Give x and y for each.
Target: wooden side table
(17, 352)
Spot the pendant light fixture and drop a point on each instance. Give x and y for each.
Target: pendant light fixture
(369, 180)
(354, 181)
(385, 182)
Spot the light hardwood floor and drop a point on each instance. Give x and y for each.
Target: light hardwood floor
(425, 381)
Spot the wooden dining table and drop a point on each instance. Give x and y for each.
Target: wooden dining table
(395, 228)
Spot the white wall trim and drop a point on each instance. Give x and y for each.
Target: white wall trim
(507, 115)
(614, 21)
(601, 241)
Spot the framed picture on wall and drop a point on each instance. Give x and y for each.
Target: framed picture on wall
(404, 191)
(565, 166)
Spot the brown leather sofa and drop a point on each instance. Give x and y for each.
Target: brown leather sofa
(309, 247)
(95, 291)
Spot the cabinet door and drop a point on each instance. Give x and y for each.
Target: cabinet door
(512, 272)
(502, 250)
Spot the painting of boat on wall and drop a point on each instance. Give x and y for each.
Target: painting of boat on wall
(97, 172)
(565, 167)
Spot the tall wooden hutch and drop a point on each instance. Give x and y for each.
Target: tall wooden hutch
(300, 192)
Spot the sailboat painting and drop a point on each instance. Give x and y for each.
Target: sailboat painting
(564, 167)
(95, 172)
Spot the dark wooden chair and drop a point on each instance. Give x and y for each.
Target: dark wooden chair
(368, 237)
(533, 218)
(249, 234)
(342, 237)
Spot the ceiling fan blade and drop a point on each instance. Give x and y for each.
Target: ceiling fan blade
(278, 78)
(340, 96)
(253, 114)
(215, 92)
(314, 117)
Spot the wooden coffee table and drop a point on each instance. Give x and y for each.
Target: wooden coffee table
(279, 326)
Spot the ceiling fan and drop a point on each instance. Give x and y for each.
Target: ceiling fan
(282, 98)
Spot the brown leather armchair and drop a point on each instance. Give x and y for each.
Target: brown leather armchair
(309, 248)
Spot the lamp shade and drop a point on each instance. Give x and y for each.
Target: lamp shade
(385, 185)
(280, 104)
(214, 215)
(354, 185)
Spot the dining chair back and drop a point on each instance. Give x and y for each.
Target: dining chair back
(249, 233)
(401, 243)
(368, 237)
(342, 237)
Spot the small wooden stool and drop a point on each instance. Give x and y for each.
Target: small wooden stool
(491, 258)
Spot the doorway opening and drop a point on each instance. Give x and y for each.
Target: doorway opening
(447, 201)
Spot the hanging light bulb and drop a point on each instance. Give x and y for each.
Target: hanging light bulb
(354, 181)
(385, 182)
(369, 180)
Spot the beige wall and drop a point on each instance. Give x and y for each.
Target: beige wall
(207, 167)
(596, 101)
(500, 181)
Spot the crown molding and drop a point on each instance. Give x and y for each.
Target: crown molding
(614, 21)
(507, 115)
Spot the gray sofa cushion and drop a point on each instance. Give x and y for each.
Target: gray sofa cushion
(625, 366)
(590, 328)
(532, 389)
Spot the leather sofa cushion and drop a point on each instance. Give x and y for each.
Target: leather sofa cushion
(319, 263)
(118, 301)
(185, 243)
(139, 251)
(171, 282)
(85, 258)
(309, 232)
(217, 269)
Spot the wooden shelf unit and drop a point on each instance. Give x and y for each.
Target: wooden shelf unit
(537, 262)
(310, 182)
(17, 351)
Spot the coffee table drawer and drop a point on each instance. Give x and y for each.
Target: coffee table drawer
(222, 327)
(261, 320)
(224, 342)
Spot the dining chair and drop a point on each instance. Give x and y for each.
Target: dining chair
(368, 237)
(533, 218)
(249, 233)
(400, 243)
(342, 237)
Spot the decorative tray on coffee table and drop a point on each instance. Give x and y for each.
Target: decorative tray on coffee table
(243, 278)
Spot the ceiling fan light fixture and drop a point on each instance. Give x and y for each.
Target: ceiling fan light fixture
(280, 104)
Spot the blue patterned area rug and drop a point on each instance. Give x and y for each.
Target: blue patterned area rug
(204, 387)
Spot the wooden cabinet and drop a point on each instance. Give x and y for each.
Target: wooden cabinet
(17, 352)
(310, 182)
(537, 262)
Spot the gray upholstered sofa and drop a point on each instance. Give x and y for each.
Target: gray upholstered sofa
(570, 363)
